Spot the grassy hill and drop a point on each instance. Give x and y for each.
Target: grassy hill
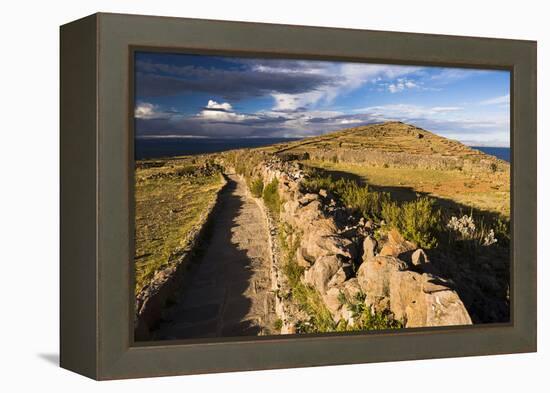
(392, 138)
(406, 160)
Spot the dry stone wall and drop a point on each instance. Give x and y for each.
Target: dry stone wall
(339, 257)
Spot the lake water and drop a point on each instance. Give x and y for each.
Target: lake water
(500, 152)
(171, 147)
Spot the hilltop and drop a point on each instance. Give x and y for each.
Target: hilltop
(392, 144)
(407, 160)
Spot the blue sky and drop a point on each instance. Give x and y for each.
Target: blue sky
(212, 96)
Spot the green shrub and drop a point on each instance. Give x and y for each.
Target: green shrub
(360, 199)
(354, 196)
(418, 220)
(271, 197)
(314, 183)
(421, 222)
(257, 187)
(391, 213)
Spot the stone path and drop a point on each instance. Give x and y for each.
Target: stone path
(229, 290)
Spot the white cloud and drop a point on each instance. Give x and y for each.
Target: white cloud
(500, 100)
(405, 111)
(350, 121)
(145, 111)
(226, 106)
(448, 75)
(400, 85)
(222, 112)
(351, 76)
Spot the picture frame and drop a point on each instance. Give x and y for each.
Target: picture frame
(96, 293)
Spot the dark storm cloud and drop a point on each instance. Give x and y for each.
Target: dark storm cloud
(155, 80)
(214, 129)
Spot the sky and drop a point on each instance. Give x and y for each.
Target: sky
(200, 96)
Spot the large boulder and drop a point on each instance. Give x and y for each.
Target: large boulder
(374, 277)
(413, 298)
(316, 244)
(322, 271)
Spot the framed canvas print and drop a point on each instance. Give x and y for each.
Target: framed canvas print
(240, 196)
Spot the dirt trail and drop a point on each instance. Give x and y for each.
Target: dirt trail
(229, 291)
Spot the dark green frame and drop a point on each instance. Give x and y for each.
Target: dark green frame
(97, 194)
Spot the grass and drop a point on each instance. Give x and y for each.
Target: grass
(417, 220)
(399, 199)
(257, 187)
(357, 198)
(271, 197)
(490, 191)
(167, 208)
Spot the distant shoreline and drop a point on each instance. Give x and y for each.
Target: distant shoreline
(162, 147)
(150, 148)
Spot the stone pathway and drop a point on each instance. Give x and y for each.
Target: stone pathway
(229, 291)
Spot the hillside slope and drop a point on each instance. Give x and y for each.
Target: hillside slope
(393, 144)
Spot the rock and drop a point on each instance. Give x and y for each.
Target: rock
(374, 276)
(419, 258)
(338, 278)
(310, 212)
(303, 259)
(351, 288)
(414, 298)
(369, 247)
(332, 301)
(318, 245)
(322, 272)
(396, 245)
(308, 198)
(446, 309)
(431, 284)
(323, 193)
